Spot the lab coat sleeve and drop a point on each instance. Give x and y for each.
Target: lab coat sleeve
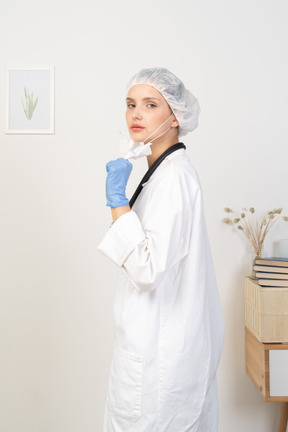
(124, 235)
(146, 250)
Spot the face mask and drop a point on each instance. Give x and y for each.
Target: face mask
(138, 149)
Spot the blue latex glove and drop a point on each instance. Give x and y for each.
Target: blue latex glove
(118, 172)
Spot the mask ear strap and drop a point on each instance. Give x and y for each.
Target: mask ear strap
(158, 129)
(160, 135)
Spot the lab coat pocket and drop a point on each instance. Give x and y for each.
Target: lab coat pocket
(125, 385)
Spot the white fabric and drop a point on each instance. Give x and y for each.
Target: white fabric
(182, 102)
(168, 322)
(137, 150)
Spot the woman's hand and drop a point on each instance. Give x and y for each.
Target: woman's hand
(118, 172)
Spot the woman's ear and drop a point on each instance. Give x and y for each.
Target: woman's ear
(175, 122)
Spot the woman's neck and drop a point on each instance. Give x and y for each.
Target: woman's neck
(160, 146)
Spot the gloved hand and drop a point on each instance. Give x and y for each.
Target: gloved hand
(118, 172)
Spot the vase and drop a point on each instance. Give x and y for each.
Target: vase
(257, 255)
(258, 251)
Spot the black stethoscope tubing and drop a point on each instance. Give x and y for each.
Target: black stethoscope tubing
(151, 170)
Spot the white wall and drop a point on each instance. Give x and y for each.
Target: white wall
(56, 290)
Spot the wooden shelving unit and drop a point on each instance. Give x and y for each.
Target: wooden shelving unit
(267, 366)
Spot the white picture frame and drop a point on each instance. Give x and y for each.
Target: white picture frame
(29, 100)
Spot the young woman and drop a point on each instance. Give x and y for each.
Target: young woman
(168, 322)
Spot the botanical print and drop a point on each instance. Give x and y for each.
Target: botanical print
(30, 104)
(30, 100)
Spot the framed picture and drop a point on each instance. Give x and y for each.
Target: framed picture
(30, 100)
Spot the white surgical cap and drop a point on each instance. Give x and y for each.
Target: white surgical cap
(183, 104)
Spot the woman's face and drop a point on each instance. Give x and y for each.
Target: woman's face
(146, 111)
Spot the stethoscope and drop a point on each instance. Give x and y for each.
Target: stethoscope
(153, 167)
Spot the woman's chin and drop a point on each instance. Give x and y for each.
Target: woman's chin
(137, 136)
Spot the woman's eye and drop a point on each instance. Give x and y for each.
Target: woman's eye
(151, 105)
(131, 106)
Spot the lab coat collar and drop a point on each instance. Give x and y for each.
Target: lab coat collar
(177, 153)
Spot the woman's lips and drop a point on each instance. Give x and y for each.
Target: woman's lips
(136, 128)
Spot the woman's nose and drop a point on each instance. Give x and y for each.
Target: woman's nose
(137, 114)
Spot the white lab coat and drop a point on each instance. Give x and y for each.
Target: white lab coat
(168, 322)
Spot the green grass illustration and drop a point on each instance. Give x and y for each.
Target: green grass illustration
(30, 104)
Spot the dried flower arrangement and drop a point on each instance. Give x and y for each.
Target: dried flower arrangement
(256, 232)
